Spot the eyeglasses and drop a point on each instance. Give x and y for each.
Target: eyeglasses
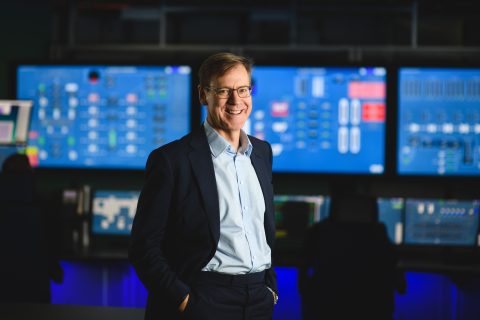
(225, 93)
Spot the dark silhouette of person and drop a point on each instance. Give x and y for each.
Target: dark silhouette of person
(295, 218)
(17, 163)
(27, 263)
(349, 269)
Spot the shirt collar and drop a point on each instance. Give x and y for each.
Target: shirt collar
(218, 144)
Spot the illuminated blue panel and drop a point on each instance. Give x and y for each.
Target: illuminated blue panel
(113, 212)
(439, 121)
(115, 284)
(390, 213)
(325, 120)
(441, 222)
(103, 116)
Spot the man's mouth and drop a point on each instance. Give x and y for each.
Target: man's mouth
(233, 112)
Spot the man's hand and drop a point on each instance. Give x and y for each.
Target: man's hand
(183, 305)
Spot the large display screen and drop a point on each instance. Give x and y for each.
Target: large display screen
(321, 119)
(113, 212)
(14, 122)
(439, 121)
(100, 116)
(441, 222)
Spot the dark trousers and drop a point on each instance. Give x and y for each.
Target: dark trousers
(233, 297)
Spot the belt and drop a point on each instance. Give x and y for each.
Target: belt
(229, 279)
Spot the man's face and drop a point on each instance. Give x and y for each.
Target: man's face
(228, 115)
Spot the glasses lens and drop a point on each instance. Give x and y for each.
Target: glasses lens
(225, 93)
(243, 92)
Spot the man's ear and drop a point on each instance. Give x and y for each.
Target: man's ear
(201, 95)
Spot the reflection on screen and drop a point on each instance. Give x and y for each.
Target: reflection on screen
(103, 116)
(14, 121)
(321, 119)
(295, 213)
(390, 213)
(113, 212)
(439, 121)
(441, 222)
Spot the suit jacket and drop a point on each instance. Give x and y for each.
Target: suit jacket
(177, 227)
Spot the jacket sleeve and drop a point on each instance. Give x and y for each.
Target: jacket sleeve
(271, 280)
(149, 228)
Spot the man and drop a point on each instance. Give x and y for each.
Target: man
(204, 228)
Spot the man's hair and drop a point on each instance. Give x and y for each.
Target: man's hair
(218, 64)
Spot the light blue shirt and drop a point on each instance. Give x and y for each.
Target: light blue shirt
(242, 247)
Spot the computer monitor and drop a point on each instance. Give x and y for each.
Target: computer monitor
(438, 121)
(113, 212)
(390, 213)
(294, 214)
(14, 122)
(321, 119)
(103, 116)
(441, 222)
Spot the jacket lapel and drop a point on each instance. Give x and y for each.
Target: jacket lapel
(201, 161)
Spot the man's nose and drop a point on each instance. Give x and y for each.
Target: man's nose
(234, 98)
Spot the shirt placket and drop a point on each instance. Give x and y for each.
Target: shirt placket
(245, 203)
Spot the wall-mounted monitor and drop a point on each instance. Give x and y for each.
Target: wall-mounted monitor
(441, 222)
(294, 214)
(391, 213)
(321, 119)
(113, 212)
(14, 122)
(103, 116)
(438, 121)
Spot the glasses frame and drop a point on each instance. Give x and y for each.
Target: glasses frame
(230, 91)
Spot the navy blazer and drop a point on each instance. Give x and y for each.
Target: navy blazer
(176, 228)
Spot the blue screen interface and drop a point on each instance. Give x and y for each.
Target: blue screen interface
(321, 120)
(103, 116)
(390, 213)
(439, 121)
(113, 212)
(441, 222)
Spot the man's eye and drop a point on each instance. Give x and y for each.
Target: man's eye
(223, 91)
(242, 90)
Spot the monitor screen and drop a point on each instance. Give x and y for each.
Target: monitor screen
(14, 122)
(441, 222)
(113, 212)
(295, 213)
(321, 119)
(439, 121)
(390, 213)
(99, 116)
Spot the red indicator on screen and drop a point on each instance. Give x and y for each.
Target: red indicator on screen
(366, 90)
(373, 112)
(279, 109)
(32, 135)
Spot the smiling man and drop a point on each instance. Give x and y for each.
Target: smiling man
(203, 233)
